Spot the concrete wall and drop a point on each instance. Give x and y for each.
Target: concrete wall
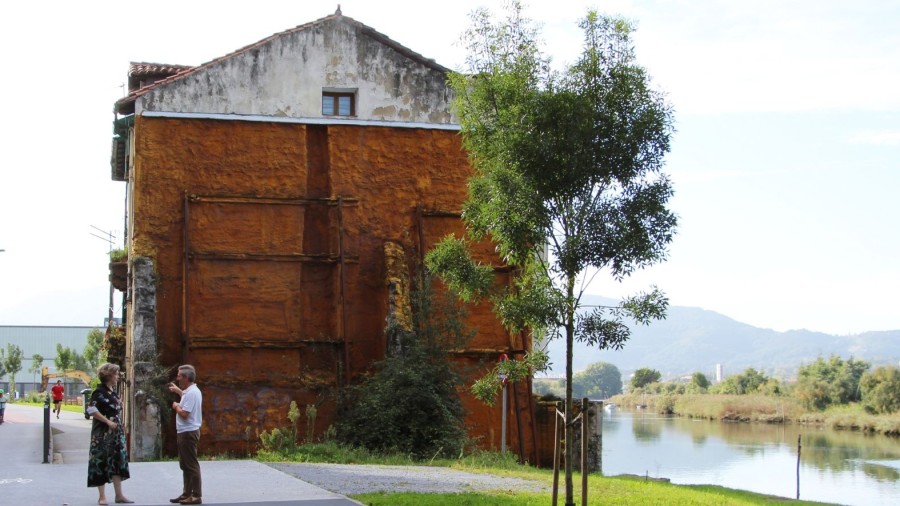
(285, 77)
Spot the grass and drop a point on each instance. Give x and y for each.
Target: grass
(601, 490)
(854, 417)
(74, 408)
(626, 491)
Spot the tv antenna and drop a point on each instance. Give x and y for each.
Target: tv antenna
(109, 237)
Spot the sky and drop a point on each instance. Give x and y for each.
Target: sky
(785, 160)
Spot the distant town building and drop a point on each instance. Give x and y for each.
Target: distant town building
(40, 340)
(719, 373)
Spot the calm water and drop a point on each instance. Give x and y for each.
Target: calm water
(835, 466)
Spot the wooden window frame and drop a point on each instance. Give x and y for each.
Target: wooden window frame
(337, 96)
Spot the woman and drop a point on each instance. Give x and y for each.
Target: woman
(108, 460)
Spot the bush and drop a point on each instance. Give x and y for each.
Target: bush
(881, 390)
(35, 397)
(410, 404)
(832, 382)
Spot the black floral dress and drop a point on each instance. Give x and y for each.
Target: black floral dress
(108, 456)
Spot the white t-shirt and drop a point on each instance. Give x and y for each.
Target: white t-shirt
(192, 402)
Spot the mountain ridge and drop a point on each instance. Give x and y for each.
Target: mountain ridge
(693, 339)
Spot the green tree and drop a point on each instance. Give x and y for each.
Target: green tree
(37, 363)
(64, 359)
(700, 381)
(93, 353)
(827, 382)
(643, 377)
(552, 388)
(12, 362)
(747, 382)
(599, 380)
(881, 390)
(568, 183)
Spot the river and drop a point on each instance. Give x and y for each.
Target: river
(835, 466)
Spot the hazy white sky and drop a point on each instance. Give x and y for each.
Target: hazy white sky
(786, 162)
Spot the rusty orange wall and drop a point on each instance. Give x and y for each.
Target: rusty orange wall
(246, 318)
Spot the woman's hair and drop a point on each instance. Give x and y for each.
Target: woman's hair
(107, 371)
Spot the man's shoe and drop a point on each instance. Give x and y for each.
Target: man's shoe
(178, 499)
(191, 500)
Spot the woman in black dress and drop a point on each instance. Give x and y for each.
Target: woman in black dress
(108, 461)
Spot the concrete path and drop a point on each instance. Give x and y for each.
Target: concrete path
(25, 480)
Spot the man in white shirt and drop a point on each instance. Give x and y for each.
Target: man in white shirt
(189, 417)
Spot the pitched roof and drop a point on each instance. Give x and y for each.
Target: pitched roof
(125, 105)
(141, 72)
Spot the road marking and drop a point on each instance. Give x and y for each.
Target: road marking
(4, 481)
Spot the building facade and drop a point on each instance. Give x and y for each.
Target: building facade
(279, 198)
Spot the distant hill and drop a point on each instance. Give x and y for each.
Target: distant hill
(693, 339)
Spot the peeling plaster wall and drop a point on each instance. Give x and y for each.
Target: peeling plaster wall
(286, 76)
(262, 325)
(145, 416)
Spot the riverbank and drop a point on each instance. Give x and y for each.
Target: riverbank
(397, 481)
(761, 408)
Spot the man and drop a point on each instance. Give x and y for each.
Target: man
(2, 404)
(189, 417)
(58, 392)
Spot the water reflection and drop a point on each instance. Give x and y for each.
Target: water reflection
(645, 430)
(842, 466)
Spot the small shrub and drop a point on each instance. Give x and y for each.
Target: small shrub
(282, 440)
(118, 255)
(34, 397)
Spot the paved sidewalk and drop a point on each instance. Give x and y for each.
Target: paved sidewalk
(25, 480)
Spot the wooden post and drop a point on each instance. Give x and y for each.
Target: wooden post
(503, 420)
(600, 438)
(555, 452)
(798, 467)
(584, 450)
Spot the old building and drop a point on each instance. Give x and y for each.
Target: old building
(277, 198)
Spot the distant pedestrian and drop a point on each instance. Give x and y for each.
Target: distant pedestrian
(58, 392)
(108, 461)
(2, 404)
(189, 418)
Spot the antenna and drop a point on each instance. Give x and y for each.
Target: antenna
(109, 239)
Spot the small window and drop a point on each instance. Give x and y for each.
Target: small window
(338, 104)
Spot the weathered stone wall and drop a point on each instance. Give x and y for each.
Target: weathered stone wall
(145, 415)
(250, 286)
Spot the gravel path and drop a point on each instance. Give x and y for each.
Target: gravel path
(352, 479)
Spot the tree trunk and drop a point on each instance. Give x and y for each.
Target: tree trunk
(570, 431)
